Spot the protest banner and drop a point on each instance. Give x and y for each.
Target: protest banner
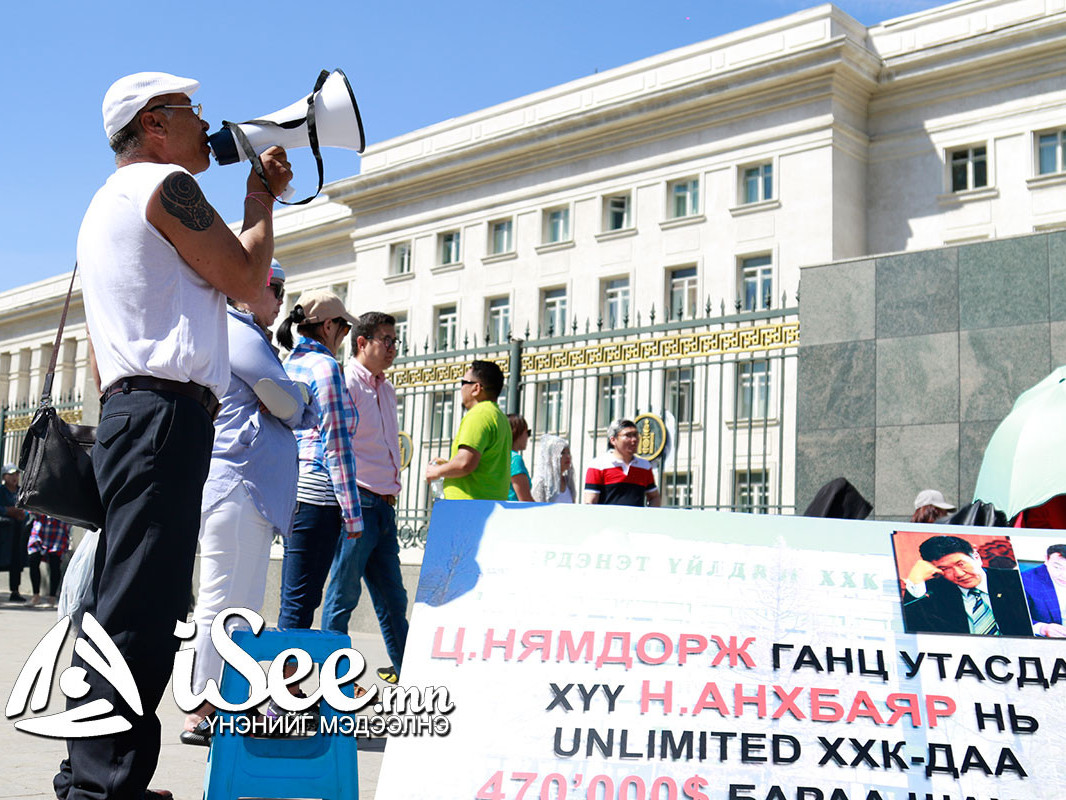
(610, 653)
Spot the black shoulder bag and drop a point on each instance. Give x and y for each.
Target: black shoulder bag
(57, 469)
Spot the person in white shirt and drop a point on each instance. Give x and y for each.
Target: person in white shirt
(156, 263)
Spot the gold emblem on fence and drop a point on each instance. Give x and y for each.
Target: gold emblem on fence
(406, 449)
(652, 432)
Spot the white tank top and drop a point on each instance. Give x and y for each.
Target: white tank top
(148, 312)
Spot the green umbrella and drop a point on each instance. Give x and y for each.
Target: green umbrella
(1025, 461)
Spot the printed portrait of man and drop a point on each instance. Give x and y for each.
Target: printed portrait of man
(1045, 591)
(949, 588)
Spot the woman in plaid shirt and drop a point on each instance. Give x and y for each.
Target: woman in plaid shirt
(327, 499)
(49, 539)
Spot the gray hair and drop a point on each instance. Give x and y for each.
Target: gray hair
(618, 426)
(127, 140)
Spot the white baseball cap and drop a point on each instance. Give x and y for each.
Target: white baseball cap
(129, 95)
(931, 497)
(10, 469)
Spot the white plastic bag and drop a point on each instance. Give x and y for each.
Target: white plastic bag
(76, 593)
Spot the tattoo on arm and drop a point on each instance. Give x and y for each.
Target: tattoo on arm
(182, 199)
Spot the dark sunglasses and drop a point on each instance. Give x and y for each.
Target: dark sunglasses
(465, 382)
(278, 290)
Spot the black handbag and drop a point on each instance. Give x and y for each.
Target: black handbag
(57, 468)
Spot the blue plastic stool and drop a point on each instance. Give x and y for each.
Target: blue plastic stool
(323, 766)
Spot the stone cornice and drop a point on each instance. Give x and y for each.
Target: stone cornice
(727, 55)
(40, 298)
(992, 47)
(670, 113)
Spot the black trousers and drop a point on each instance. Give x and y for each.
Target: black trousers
(151, 459)
(19, 531)
(52, 559)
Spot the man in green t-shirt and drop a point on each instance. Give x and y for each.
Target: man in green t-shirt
(480, 466)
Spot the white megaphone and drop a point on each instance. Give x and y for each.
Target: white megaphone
(328, 117)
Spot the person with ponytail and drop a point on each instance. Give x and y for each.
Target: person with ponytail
(327, 498)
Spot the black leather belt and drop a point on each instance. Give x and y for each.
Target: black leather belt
(388, 498)
(142, 383)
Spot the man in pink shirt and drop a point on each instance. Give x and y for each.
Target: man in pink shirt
(375, 556)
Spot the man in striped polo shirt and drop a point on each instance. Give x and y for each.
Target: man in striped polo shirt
(619, 477)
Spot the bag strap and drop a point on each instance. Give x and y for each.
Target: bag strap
(312, 140)
(46, 393)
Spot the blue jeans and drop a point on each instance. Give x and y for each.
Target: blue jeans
(375, 558)
(308, 551)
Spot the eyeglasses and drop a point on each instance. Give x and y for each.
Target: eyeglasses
(278, 290)
(388, 342)
(465, 382)
(343, 323)
(196, 108)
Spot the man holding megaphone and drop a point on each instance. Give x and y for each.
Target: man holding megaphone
(157, 263)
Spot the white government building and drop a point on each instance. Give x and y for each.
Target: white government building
(699, 179)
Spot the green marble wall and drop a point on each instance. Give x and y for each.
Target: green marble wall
(908, 362)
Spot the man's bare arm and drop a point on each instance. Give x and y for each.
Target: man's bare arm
(235, 265)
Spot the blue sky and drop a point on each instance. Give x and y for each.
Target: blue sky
(411, 64)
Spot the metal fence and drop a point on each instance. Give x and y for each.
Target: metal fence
(714, 400)
(14, 420)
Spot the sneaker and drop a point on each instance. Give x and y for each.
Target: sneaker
(388, 674)
(16, 598)
(35, 600)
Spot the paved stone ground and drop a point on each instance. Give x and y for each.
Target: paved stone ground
(27, 762)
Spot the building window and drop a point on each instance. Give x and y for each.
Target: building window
(969, 168)
(442, 414)
(550, 407)
(616, 212)
(684, 197)
(400, 259)
(757, 183)
(401, 332)
(447, 325)
(682, 298)
(502, 237)
(612, 398)
(677, 489)
(680, 390)
(449, 248)
(556, 225)
(1051, 153)
(753, 390)
(756, 283)
(616, 302)
(499, 318)
(751, 491)
(553, 319)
